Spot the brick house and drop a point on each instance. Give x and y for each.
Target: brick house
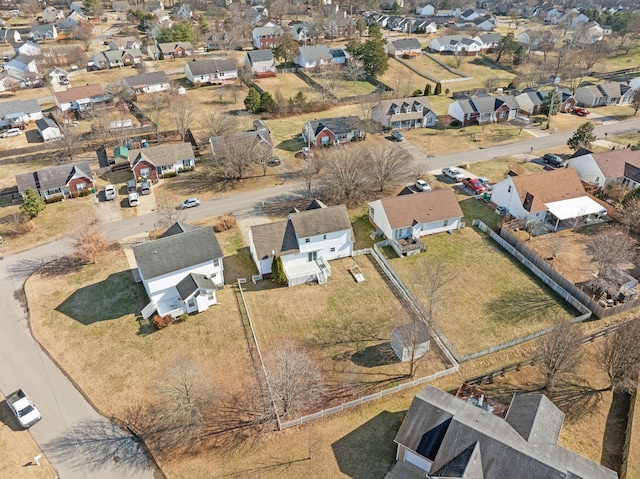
(333, 131)
(68, 180)
(156, 161)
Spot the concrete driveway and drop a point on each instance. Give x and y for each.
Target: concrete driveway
(79, 442)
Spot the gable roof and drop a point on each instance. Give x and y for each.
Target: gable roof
(314, 53)
(171, 46)
(281, 237)
(246, 140)
(19, 106)
(79, 93)
(388, 107)
(44, 123)
(612, 162)
(152, 78)
(407, 43)
(177, 228)
(260, 56)
(162, 154)
(548, 186)
(423, 208)
(450, 432)
(203, 67)
(192, 283)
(266, 31)
(340, 125)
(177, 251)
(53, 177)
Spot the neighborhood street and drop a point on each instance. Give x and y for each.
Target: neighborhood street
(78, 441)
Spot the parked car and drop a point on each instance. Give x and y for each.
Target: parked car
(145, 188)
(580, 111)
(501, 210)
(132, 187)
(397, 136)
(486, 182)
(189, 203)
(553, 160)
(422, 185)
(12, 132)
(110, 192)
(134, 199)
(475, 185)
(275, 161)
(453, 174)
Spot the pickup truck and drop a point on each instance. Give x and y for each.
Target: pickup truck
(453, 174)
(23, 408)
(474, 185)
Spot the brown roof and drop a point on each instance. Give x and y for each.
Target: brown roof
(321, 221)
(277, 238)
(548, 186)
(79, 92)
(423, 208)
(162, 154)
(611, 162)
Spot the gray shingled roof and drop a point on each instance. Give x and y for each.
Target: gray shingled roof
(44, 123)
(152, 78)
(407, 44)
(163, 154)
(415, 333)
(442, 428)
(53, 177)
(245, 139)
(274, 239)
(204, 67)
(260, 56)
(320, 221)
(19, 106)
(315, 53)
(176, 252)
(192, 283)
(338, 126)
(177, 228)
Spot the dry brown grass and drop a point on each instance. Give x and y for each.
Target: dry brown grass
(497, 168)
(288, 85)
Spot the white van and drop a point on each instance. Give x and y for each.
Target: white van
(110, 192)
(12, 132)
(134, 200)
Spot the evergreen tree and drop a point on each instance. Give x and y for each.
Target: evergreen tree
(427, 89)
(277, 271)
(582, 137)
(507, 45)
(252, 102)
(438, 89)
(372, 54)
(288, 48)
(267, 102)
(203, 25)
(33, 203)
(178, 32)
(520, 55)
(546, 103)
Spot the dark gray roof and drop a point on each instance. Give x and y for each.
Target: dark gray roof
(277, 238)
(152, 78)
(442, 428)
(176, 252)
(192, 283)
(314, 205)
(315, 53)
(178, 227)
(159, 155)
(54, 177)
(467, 464)
(44, 123)
(490, 37)
(19, 106)
(406, 44)
(338, 126)
(535, 418)
(260, 56)
(204, 67)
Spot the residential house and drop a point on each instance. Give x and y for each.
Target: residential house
(180, 271)
(455, 13)
(634, 83)
(154, 162)
(486, 23)
(257, 142)
(120, 5)
(471, 14)
(488, 40)
(425, 9)
(181, 11)
(58, 76)
(613, 166)
(573, 18)
(162, 51)
(16, 113)
(48, 129)
(10, 80)
(404, 219)
(267, 37)
(530, 101)
(614, 93)
(51, 14)
(45, 32)
(341, 27)
(484, 109)
(162, 16)
(117, 58)
(9, 35)
(551, 196)
(68, 180)
(215, 72)
(305, 242)
(424, 26)
(313, 56)
(155, 6)
(261, 63)
(398, 24)
(257, 14)
(22, 63)
(72, 21)
(82, 99)
(124, 43)
(414, 112)
(28, 48)
(299, 31)
(146, 83)
(77, 6)
(456, 44)
(333, 131)
(338, 56)
(567, 100)
(405, 47)
(443, 436)
(589, 33)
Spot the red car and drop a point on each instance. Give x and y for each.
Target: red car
(474, 185)
(580, 111)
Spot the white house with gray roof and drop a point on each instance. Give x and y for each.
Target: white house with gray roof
(267, 36)
(19, 112)
(180, 271)
(306, 241)
(456, 44)
(443, 436)
(117, 58)
(211, 71)
(313, 56)
(414, 112)
(261, 63)
(152, 82)
(48, 129)
(404, 46)
(484, 109)
(43, 32)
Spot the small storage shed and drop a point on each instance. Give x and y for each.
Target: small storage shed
(48, 129)
(410, 338)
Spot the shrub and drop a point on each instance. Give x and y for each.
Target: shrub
(54, 199)
(75, 194)
(171, 174)
(181, 318)
(161, 322)
(224, 223)
(417, 92)
(84, 192)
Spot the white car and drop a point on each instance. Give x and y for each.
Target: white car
(12, 132)
(422, 185)
(453, 174)
(189, 203)
(110, 192)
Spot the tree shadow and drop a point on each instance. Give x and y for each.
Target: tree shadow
(519, 305)
(99, 445)
(116, 296)
(369, 451)
(61, 266)
(577, 400)
(374, 356)
(615, 431)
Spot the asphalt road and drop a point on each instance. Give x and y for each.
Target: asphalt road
(80, 443)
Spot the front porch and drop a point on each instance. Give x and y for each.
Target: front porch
(300, 273)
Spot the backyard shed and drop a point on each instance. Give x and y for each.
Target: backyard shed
(410, 341)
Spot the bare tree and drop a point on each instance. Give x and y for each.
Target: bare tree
(635, 101)
(388, 165)
(182, 112)
(235, 159)
(69, 140)
(84, 32)
(402, 84)
(327, 76)
(492, 82)
(459, 58)
(89, 241)
(555, 244)
(310, 172)
(166, 207)
(559, 353)
(432, 277)
(354, 70)
(219, 123)
(631, 215)
(157, 104)
(620, 357)
(346, 177)
(295, 379)
(610, 249)
(592, 53)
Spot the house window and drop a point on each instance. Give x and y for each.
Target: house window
(145, 172)
(81, 186)
(324, 236)
(333, 249)
(445, 223)
(216, 262)
(191, 303)
(312, 256)
(211, 296)
(307, 240)
(371, 212)
(509, 189)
